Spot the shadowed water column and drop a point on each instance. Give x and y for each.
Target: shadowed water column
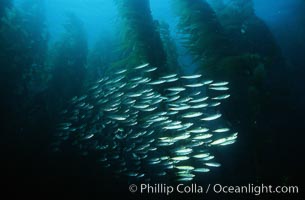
(268, 88)
(23, 49)
(23, 46)
(170, 48)
(67, 63)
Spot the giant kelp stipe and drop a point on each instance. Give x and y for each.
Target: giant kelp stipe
(98, 95)
(137, 25)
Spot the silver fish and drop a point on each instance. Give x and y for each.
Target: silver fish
(192, 114)
(185, 167)
(132, 124)
(118, 117)
(151, 69)
(192, 76)
(203, 155)
(225, 96)
(169, 76)
(142, 66)
(201, 170)
(195, 85)
(121, 71)
(180, 158)
(212, 117)
(218, 84)
(202, 136)
(219, 141)
(219, 88)
(176, 89)
(199, 100)
(213, 164)
(158, 82)
(199, 130)
(221, 130)
(202, 105)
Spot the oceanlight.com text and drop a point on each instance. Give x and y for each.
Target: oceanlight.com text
(193, 188)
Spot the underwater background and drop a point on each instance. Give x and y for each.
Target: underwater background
(64, 58)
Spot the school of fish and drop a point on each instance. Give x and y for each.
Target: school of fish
(149, 129)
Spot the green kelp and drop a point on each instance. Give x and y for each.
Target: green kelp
(256, 53)
(247, 32)
(136, 132)
(201, 33)
(224, 44)
(141, 40)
